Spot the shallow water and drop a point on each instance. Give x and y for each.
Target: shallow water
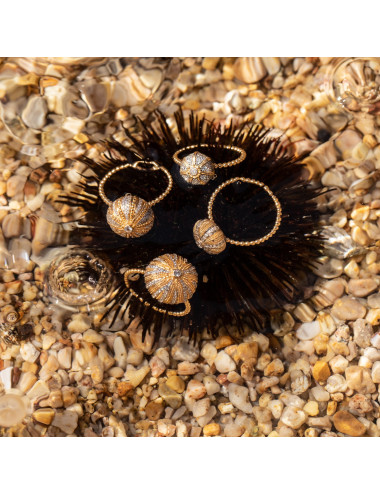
(74, 374)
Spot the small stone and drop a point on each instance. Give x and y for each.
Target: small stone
(209, 352)
(212, 429)
(135, 356)
(184, 350)
(176, 383)
(308, 330)
(362, 287)
(249, 69)
(238, 396)
(293, 417)
(362, 333)
(67, 421)
(331, 408)
(172, 398)
(12, 225)
(321, 371)
(64, 357)
(120, 352)
(195, 389)
(211, 385)
(348, 309)
(359, 379)
(338, 364)
(69, 395)
(233, 430)
(346, 423)
(157, 366)
(320, 394)
(275, 368)
(336, 383)
(311, 408)
(376, 372)
(44, 415)
(135, 377)
(29, 352)
(223, 341)
(79, 323)
(34, 114)
(12, 410)
(187, 368)
(361, 404)
(55, 399)
(201, 407)
(92, 336)
(123, 388)
(154, 410)
(205, 419)
(224, 363)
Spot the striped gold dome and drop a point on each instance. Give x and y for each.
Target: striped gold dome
(197, 168)
(209, 237)
(171, 279)
(130, 216)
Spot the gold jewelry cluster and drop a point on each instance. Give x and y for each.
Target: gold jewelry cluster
(170, 278)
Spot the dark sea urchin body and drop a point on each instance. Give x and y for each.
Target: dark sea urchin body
(239, 285)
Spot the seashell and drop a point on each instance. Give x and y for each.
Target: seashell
(328, 268)
(197, 168)
(10, 315)
(171, 279)
(209, 237)
(130, 216)
(339, 244)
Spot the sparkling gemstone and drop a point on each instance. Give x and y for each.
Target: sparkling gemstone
(128, 228)
(177, 273)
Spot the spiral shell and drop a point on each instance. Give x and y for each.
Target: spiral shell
(130, 216)
(209, 237)
(197, 168)
(10, 315)
(171, 279)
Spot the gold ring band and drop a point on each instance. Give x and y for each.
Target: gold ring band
(269, 192)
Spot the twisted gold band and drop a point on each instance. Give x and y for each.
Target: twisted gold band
(217, 165)
(267, 189)
(135, 165)
(157, 309)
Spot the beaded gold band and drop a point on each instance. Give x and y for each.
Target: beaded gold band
(197, 168)
(130, 215)
(170, 279)
(209, 237)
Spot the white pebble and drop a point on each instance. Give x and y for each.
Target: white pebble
(308, 330)
(29, 352)
(238, 396)
(224, 363)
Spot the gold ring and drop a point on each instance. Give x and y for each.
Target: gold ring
(131, 216)
(170, 279)
(209, 237)
(197, 168)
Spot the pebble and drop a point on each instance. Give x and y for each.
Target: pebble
(44, 415)
(171, 397)
(67, 421)
(79, 323)
(293, 417)
(320, 394)
(348, 309)
(92, 336)
(308, 330)
(359, 379)
(233, 430)
(135, 377)
(362, 333)
(274, 368)
(209, 353)
(176, 383)
(29, 352)
(157, 366)
(120, 352)
(184, 350)
(201, 407)
(346, 423)
(311, 408)
(321, 371)
(238, 396)
(336, 383)
(362, 287)
(195, 389)
(211, 385)
(338, 364)
(135, 355)
(187, 368)
(224, 363)
(64, 357)
(154, 410)
(375, 375)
